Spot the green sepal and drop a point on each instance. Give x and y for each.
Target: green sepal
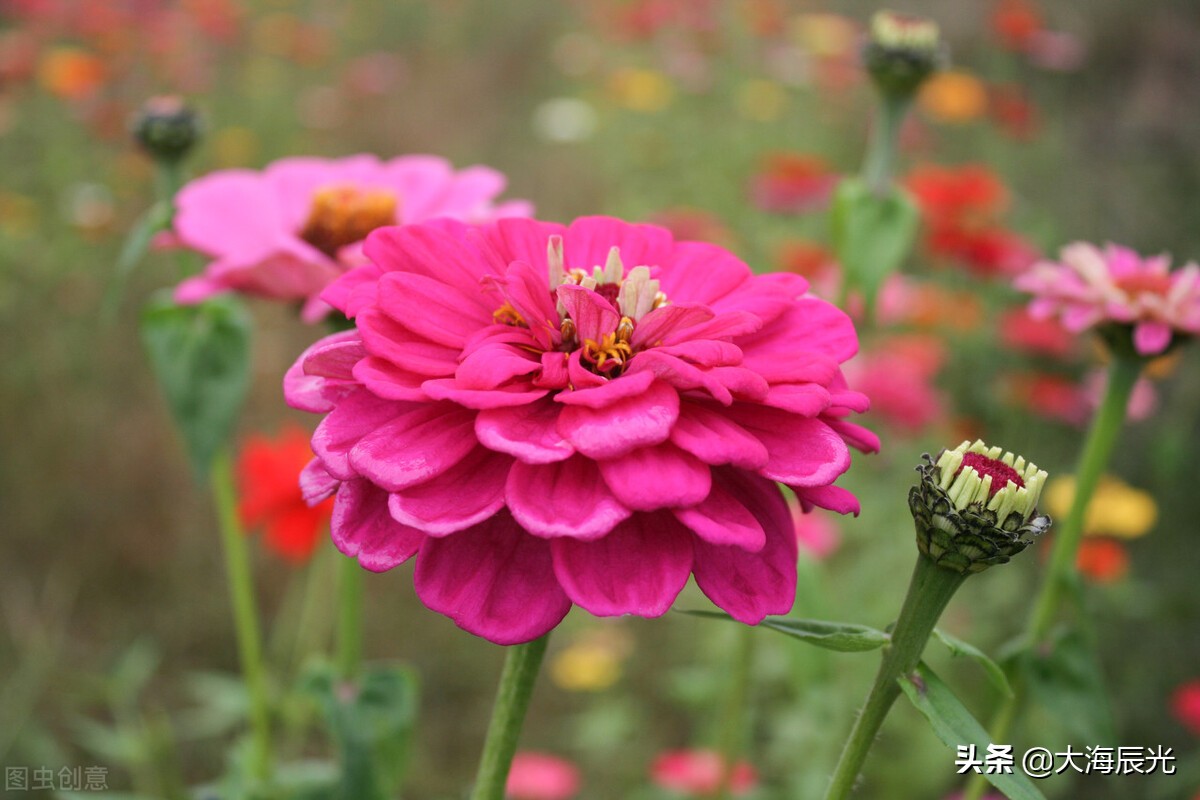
(955, 726)
(993, 670)
(201, 357)
(872, 234)
(371, 722)
(844, 637)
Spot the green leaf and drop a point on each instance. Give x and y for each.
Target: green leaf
(872, 234)
(955, 726)
(156, 218)
(371, 721)
(845, 637)
(958, 647)
(1068, 683)
(201, 355)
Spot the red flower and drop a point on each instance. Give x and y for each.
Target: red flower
(698, 773)
(1102, 560)
(1016, 22)
(957, 194)
(1185, 704)
(792, 183)
(270, 485)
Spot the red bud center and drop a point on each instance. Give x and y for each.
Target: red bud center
(1001, 473)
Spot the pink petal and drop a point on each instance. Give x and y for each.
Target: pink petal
(588, 240)
(316, 484)
(807, 325)
(856, 436)
(749, 586)
(805, 399)
(362, 527)
(387, 380)
(592, 314)
(606, 391)
(722, 519)
(316, 393)
(435, 251)
(385, 338)
(660, 323)
(443, 505)
(639, 568)
(494, 580)
(515, 394)
(416, 446)
(834, 498)
(493, 365)
(527, 432)
(801, 451)
(624, 425)
(662, 476)
(356, 416)
(565, 498)
(431, 308)
(229, 212)
(702, 273)
(1151, 338)
(715, 439)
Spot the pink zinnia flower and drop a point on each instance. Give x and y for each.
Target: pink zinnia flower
(1091, 287)
(538, 776)
(545, 431)
(698, 772)
(792, 183)
(899, 376)
(1185, 704)
(290, 230)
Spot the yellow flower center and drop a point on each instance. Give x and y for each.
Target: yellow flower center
(344, 214)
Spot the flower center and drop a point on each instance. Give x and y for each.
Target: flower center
(1145, 283)
(1001, 473)
(345, 214)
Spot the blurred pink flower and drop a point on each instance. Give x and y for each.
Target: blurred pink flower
(1143, 400)
(539, 776)
(1020, 331)
(817, 534)
(1185, 704)
(1091, 287)
(287, 232)
(898, 376)
(549, 431)
(698, 772)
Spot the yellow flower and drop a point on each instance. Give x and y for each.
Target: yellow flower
(953, 96)
(760, 100)
(824, 35)
(644, 90)
(592, 663)
(1117, 509)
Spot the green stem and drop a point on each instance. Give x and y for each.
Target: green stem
(1097, 451)
(733, 721)
(1093, 460)
(885, 136)
(245, 613)
(350, 618)
(929, 592)
(168, 177)
(312, 625)
(521, 664)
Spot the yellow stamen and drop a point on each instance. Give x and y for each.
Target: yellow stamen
(342, 215)
(507, 315)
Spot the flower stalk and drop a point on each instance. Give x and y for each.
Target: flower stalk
(733, 722)
(880, 162)
(929, 592)
(521, 665)
(245, 611)
(350, 618)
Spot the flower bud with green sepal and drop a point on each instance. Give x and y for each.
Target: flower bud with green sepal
(976, 506)
(166, 128)
(902, 52)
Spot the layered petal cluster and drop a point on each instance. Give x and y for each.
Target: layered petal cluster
(589, 414)
(1089, 286)
(290, 230)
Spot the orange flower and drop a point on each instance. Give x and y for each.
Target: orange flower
(71, 73)
(805, 258)
(954, 97)
(268, 472)
(1102, 560)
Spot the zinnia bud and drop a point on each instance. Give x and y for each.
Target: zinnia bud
(976, 506)
(166, 128)
(902, 52)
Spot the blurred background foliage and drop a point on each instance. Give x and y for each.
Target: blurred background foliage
(701, 115)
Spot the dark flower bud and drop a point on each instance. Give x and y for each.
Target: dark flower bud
(902, 52)
(166, 128)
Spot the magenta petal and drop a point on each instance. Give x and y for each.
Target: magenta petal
(387, 380)
(606, 391)
(514, 394)
(592, 314)
(316, 393)
(566, 498)
(807, 325)
(588, 240)
(659, 324)
(715, 439)
(802, 451)
(469, 492)
(834, 498)
(494, 364)
(426, 306)
(702, 273)
(855, 435)
(316, 484)
(527, 432)
(415, 446)
(805, 399)
(1151, 338)
(494, 580)
(662, 476)
(639, 568)
(356, 416)
(749, 586)
(387, 339)
(622, 426)
(722, 519)
(362, 527)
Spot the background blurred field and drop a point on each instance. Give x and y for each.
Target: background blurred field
(628, 108)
